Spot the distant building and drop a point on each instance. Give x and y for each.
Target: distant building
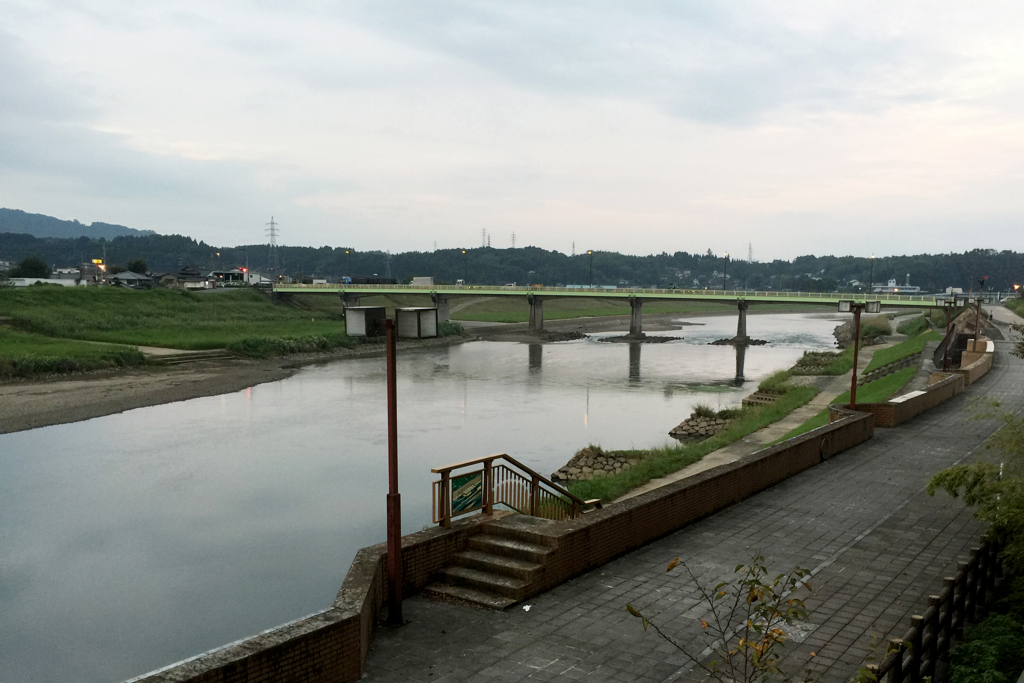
(67, 273)
(893, 288)
(131, 280)
(422, 282)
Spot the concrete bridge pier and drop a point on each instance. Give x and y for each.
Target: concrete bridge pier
(634, 361)
(441, 301)
(636, 317)
(350, 300)
(741, 356)
(536, 313)
(741, 325)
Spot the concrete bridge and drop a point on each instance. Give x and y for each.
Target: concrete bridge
(535, 296)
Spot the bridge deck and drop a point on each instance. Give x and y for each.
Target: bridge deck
(810, 298)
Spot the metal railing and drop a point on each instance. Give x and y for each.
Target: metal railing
(913, 657)
(507, 482)
(710, 293)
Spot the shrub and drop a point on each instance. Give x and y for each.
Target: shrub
(447, 328)
(775, 383)
(703, 410)
(877, 326)
(913, 327)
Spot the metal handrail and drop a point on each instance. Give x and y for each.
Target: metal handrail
(443, 513)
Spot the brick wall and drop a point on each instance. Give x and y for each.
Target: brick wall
(890, 414)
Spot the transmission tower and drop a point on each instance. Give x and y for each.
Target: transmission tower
(387, 264)
(513, 240)
(272, 263)
(750, 252)
(483, 237)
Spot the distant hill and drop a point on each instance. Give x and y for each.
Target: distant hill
(38, 225)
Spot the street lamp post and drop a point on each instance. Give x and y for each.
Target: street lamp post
(856, 308)
(348, 254)
(725, 269)
(977, 312)
(465, 266)
(394, 507)
(871, 280)
(590, 253)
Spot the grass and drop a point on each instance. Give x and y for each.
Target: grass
(658, 462)
(906, 348)
(877, 326)
(872, 392)
(824, 362)
(1016, 305)
(23, 354)
(913, 327)
(241, 320)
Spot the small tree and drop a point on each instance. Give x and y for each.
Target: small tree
(33, 266)
(114, 269)
(745, 622)
(137, 265)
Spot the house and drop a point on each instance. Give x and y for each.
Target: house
(131, 280)
(185, 278)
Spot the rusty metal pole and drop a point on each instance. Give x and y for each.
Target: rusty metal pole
(394, 499)
(977, 324)
(856, 350)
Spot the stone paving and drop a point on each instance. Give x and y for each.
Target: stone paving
(877, 544)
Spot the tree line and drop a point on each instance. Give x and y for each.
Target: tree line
(532, 265)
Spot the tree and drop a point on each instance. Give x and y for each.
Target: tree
(137, 265)
(745, 622)
(996, 490)
(114, 269)
(33, 266)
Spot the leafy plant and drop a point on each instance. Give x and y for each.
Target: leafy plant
(775, 383)
(703, 410)
(744, 627)
(447, 328)
(913, 327)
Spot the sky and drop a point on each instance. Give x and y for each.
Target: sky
(790, 128)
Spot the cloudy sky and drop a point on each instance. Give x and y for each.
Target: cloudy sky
(801, 127)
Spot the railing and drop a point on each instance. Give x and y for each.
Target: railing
(509, 483)
(714, 293)
(913, 657)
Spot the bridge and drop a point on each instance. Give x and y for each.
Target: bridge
(535, 296)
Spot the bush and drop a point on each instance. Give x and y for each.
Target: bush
(263, 347)
(913, 327)
(775, 383)
(990, 653)
(877, 326)
(703, 410)
(447, 328)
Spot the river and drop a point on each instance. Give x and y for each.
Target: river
(131, 541)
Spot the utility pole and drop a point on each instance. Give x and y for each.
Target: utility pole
(394, 508)
(590, 253)
(725, 269)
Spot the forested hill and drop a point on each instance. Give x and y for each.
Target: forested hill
(531, 265)
(38, 225)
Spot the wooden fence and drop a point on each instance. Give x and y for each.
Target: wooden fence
(913, 657)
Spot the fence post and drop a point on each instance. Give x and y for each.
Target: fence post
(916, 640)
(488, 493)
(446, 503)
(960, 612)
(896, 670)
(982, 575)
(935, 602)
(972, 587)
(534, 495)
(949, 603)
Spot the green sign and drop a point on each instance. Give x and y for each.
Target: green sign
(467, 492)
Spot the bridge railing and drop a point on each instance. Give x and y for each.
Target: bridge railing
(711, 293)
(500, 479)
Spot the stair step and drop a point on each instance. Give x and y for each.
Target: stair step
(498, 564)
(510, 547)
(484, 581)
(461, 593)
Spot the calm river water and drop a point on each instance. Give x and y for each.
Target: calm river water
(132, 541)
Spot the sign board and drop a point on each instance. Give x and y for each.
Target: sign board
(467, 492)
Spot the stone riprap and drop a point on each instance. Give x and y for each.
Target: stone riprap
(590, 463)
(699, 428)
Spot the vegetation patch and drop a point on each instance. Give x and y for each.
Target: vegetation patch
(913, 327)
(872, 392)
(447, 328)
(877, 326)
(1016, 305)
(241, 319)
(824, 362)
(25, 355)
(659, 462)
(900, 351)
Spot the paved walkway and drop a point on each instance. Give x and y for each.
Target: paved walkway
(878, 545)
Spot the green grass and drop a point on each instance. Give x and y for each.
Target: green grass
(1016, 305)
(775, 383)
(906, 348)
(913, 327)
(658, 462)
(824, 362)
(23, 354)
(241, 320)
(877, 326)
(872, 392)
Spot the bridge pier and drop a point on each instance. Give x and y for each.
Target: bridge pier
(350, 300)
(741, 325)
(636, 317)
(536, 313)
(441, 302)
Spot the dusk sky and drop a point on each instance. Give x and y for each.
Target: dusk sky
(800, 127)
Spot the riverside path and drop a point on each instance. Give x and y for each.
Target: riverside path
(877, 543)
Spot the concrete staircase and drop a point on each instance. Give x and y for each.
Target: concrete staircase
(502, 566)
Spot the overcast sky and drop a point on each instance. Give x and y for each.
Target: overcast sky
(814, 127)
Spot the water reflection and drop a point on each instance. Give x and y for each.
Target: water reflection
(634, 362)
(741, 356)
(536, 357)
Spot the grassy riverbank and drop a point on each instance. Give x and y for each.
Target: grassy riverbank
(659, 462)
(241, 320)
(900, 351)
(23, 354)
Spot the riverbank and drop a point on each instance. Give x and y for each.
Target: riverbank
(61, 399)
